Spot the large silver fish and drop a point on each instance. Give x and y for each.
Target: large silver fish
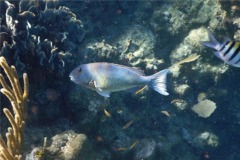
(228, 51)
(105, 78)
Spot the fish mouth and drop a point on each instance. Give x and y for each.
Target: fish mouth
(71, 78)
(74, 80)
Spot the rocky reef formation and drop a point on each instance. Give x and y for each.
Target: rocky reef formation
(49, 38)
(67, 146)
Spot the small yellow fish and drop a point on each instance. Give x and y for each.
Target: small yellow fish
(107, 113)
(188, 59)
(166, 113)
(99, 138)
(27, 14)
(176, 100)
(133, 145)
(119, 111)
(140, 90)
(120, 149)
(128, 124)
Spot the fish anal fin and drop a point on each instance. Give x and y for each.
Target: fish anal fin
(103, 93)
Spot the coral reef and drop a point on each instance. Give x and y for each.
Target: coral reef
(145, 149)
(67, 146)
(204, 108)
(39, 35)
(41, 38)
(47, 39)
(135, 47)
(12, 149)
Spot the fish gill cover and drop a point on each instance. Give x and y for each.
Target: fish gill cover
(47, 39)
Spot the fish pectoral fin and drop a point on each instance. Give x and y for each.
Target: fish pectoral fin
(96, 86)
(103, 93)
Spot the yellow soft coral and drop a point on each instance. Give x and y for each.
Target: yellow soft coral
(12, 148)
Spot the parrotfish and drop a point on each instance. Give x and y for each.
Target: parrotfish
(228, 51)
(105, 78)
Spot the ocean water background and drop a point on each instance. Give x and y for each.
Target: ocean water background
(47, 39)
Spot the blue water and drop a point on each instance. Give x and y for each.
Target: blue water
(52, 38)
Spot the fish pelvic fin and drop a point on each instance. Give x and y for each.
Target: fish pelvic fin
(213, 43)
(158, 82)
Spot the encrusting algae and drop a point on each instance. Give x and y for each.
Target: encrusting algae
(12, 148)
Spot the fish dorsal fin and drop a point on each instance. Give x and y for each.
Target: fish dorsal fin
(134, 69)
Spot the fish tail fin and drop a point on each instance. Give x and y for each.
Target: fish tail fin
(158, 82)
(213, 43)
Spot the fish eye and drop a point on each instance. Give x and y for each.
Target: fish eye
(80, 69)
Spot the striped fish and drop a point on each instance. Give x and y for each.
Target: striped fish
(228, 51)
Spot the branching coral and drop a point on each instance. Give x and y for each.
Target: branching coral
(11, 150)
(39, 35)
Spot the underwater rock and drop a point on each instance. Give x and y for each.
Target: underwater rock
(180, 104)
(100, 50)
(176, 17)
(145, 149)
(121, 140)
(85, 106)
(206, 139)
(70, 146)
(236, 22)
(200, 140)
(190, 45)
(204, 108)
(168, 18)
(181, 89)
(137, 45)
(33, 154)
(67, 145)
(134, 46)
(201, 96)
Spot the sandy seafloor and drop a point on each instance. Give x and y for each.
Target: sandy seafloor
(47, 39)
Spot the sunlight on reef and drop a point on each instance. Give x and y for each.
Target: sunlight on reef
(199, 119)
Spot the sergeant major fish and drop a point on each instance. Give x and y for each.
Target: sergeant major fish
(105, 78)
(228, 51)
